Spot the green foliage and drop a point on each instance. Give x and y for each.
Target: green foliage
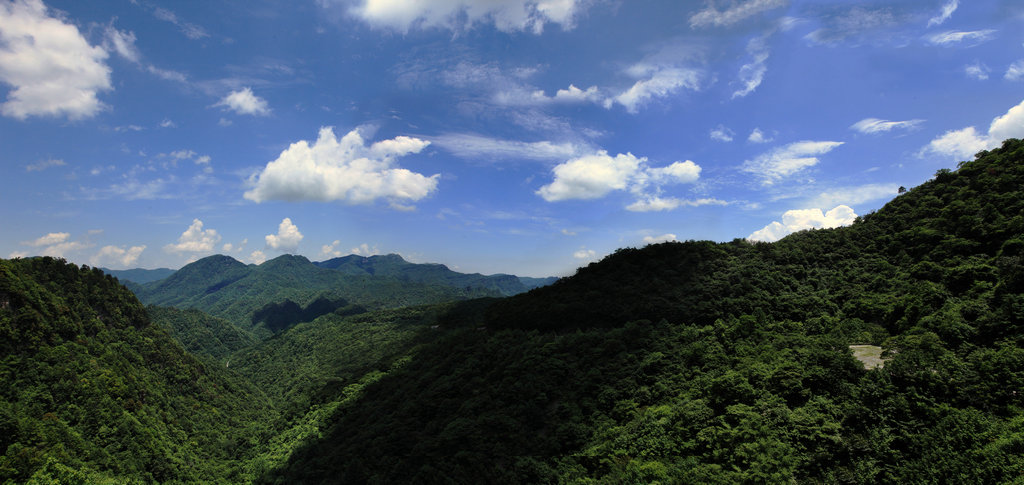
(747, 376)
(93, 393)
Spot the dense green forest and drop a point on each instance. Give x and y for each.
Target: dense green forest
(692, 362)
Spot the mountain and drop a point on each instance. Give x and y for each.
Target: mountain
(701, 362)
(267, 298)
(93, 392)
(393, 265)
(200, 333)
(139, 275)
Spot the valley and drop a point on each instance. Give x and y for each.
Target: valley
(677, 362)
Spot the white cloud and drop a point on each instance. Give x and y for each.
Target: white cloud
(722, 134)
(784, 161)
(192, 31)
(945, 14)
(44, 164)
(854, 195)
(951, 37)
(856, 24)
(737, 11)
(584, 254)
(1015, 71)
(56, 244)
(257, 257)
(964, 143)
(661, 83)
(365, 250)
(506, 15)
(331, 250)
(594, 176)
(484, 149)
(167, 74)
(244, 102)
(52, 69)
(655, 204)
(166, 123)
(575, 94)
(195, 240)
(758, 136)
(801, 219)
(659, 239)
(49, 239)
(344, 170)
(875, 125)
(287, 237)
(117, 256)
(123, 43)
(752, 73)
(978, 71)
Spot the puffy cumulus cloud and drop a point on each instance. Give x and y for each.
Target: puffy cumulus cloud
(244, 102)
(195, 239)
(945, 13)
(585, 253)
(659, 82)
(659, 239)
(331, 250)
(758, 136)
(506, 15)
(782, 162)
(722, 134)
(117, 256)
(486, 149)
(343, 170)
(257, 257)
(287, 238)
(655, 204)
(735, 12)
(952, 37)
(365, 250)
(964, 143)
(56, 244)
(51, 68)
(574, 94)
(875, 125)
(595, 176)
(1015, 72)
(801, 219)
(49, 239)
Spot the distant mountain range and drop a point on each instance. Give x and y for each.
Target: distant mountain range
(289, 289)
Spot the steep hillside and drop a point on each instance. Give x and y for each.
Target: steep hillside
(700, 362)
(94, 393)
(438, 274)
(200, 333)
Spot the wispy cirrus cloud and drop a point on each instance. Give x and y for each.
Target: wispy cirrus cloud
(711, 16)
(953, 37)
(785, 161)
(876, 125)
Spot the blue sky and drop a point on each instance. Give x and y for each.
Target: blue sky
(517, 136)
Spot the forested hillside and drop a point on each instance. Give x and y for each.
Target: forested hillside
(94, 393)
(692, 362)
(699, 362)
